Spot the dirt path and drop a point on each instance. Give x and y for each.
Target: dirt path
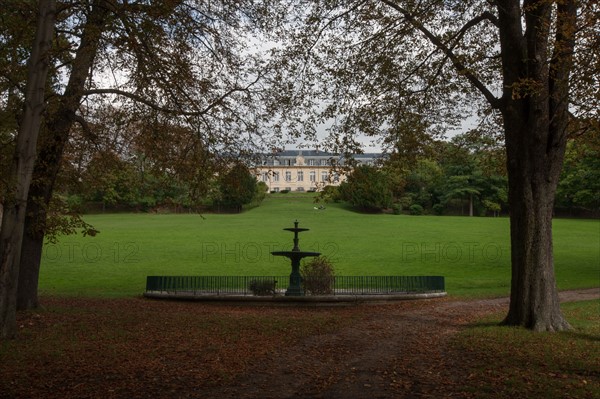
(393, 351)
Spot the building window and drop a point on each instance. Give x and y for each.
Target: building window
(300, 176)
(323, 162)
(275, 176)
(276, 162)
(265, 176)
(336, 178)
(288, 176)
(324, 176)
(311, 162)
(313, 176)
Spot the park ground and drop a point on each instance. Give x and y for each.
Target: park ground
(96, 337)
(447, 347)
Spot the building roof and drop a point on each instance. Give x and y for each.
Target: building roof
(319, 154)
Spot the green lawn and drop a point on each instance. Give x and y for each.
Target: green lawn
(472, 253)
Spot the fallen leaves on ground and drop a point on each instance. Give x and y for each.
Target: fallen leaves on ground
(137, 348)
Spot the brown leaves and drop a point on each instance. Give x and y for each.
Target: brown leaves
(114, 348)
(133, 347)
(526, 87)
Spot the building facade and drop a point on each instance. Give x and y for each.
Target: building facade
(305, 170)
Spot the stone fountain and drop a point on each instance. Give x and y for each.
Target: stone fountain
(295, 255)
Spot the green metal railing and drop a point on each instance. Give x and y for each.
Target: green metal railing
(340, 285)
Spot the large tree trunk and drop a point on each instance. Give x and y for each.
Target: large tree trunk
(535, 112)
(53, 140)
(11, 233)
(52, 143)
(534, 300)
(27, 294)
(31, 248)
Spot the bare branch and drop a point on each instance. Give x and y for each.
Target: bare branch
(84, 126)
(217, 102)
(331, 21)
(459, 66)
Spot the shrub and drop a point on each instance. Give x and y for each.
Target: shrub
(368, 189)
(263, 287)
(438, 209)
(284, 191)
(318, 276)
(397, 209)
(237, 187)
(406, 201)
(260, 193)
(74, 202)
(416, 209)
(329, 194)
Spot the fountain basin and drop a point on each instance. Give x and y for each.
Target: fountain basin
(296, 229)
(295, 254)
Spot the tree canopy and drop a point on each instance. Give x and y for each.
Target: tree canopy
(367, 188)
(237, 187)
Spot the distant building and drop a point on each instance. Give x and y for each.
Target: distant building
(305, 170)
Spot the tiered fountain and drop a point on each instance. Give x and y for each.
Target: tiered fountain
(295, 255)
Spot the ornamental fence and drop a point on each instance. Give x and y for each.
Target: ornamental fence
(275, 285)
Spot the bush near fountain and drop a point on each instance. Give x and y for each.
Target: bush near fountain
(263, 287)
(318, 276)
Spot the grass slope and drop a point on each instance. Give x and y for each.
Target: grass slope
(473, 253)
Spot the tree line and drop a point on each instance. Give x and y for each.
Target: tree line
(148, 165)
(466, 176)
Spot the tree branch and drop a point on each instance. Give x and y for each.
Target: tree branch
(486, 16)
(166, 110)
(319, 33)
(436, 41)
(560, 68)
